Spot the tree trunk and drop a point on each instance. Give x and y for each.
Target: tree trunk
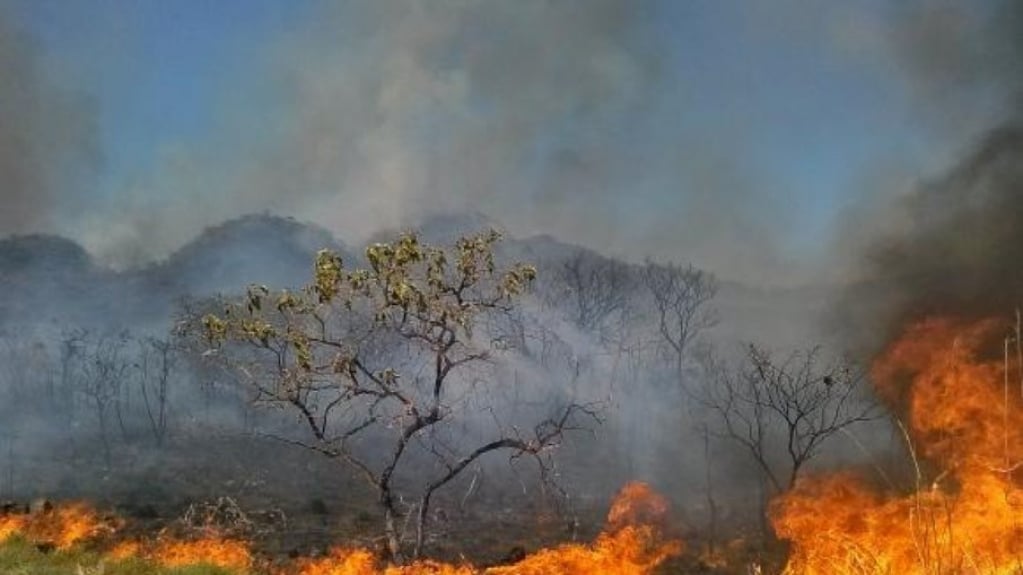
(107, 456)
(764, 503)
(390, 525)
(421, 520)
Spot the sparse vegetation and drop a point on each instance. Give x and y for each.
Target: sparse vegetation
(789, 407)
(20, 557)
(378, 365)
(410, 372)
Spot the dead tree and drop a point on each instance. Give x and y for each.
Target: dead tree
(23, 371)
(155, 366)
(102, 371)
(71, 346)
(593, 289)
(681, 297)
(376, 364)
(782, 412)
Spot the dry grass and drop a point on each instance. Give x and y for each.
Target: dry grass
(19, 557)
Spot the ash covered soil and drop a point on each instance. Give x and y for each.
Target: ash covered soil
(298, 505)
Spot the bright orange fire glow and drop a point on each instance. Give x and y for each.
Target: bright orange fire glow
(962, 417)
(63, 527)
(11, 525)
(632, 550)
(226, 553)
(362, 562)
(632, 544)
(171, 552)
(70, 524)
(125, 550)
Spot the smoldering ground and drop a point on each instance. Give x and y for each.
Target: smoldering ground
(375, 113)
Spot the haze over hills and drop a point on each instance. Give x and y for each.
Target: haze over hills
(844, 178)
(58, 297)
(50, 279)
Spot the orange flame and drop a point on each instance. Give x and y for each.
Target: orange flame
(632, 544)
(632, 550)
(961, 416)
(11, 525)
(224, 553)
(171, 552)
(125, 550)
(63, 527)
(362, 562)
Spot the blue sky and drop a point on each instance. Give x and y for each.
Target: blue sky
(773, 118)
(156, 69)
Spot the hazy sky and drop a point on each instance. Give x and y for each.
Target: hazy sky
(742, 136)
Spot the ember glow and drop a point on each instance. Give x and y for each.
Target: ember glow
(62, 527)
(69, 525)
(634, 542)
(227, 553)
(171, 552)
(964, 416)
(341, 561)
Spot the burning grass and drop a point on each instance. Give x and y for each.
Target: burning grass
(633, 543)
(61, 528)
(19, 556)
(73, 539)
(964, 416)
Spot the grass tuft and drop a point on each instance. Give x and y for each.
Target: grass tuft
(20, 557)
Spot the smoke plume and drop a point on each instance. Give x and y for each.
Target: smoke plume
(373, 112)
(953, 244)
(370, 115)
(47, 137)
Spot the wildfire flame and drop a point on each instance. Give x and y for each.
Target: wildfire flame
(632, 543)
(125, 550)
(342, 561)
(68, 525)
(962, 416)
(226, 553)
(62, 527)
(171, 552)
(11, 525)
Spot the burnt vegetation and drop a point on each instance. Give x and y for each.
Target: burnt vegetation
(403, 398)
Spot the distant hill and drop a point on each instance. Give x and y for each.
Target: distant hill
(54, 280)
(49, 279)
(258, 249)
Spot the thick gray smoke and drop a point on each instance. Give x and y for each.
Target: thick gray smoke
(951, 245)
(372, 112)
(960, 246)
(368, 115)
(365, 115)
(962, 61)
(47, 137)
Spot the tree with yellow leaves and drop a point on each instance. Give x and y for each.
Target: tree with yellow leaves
(376, 362)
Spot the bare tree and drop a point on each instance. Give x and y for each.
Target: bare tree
(156, 363)
(593, 288)
(783, 412)
(378, 364)
(71, 346)
(26, 371)
(219, 383)
(681, 296)
(103, 368)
